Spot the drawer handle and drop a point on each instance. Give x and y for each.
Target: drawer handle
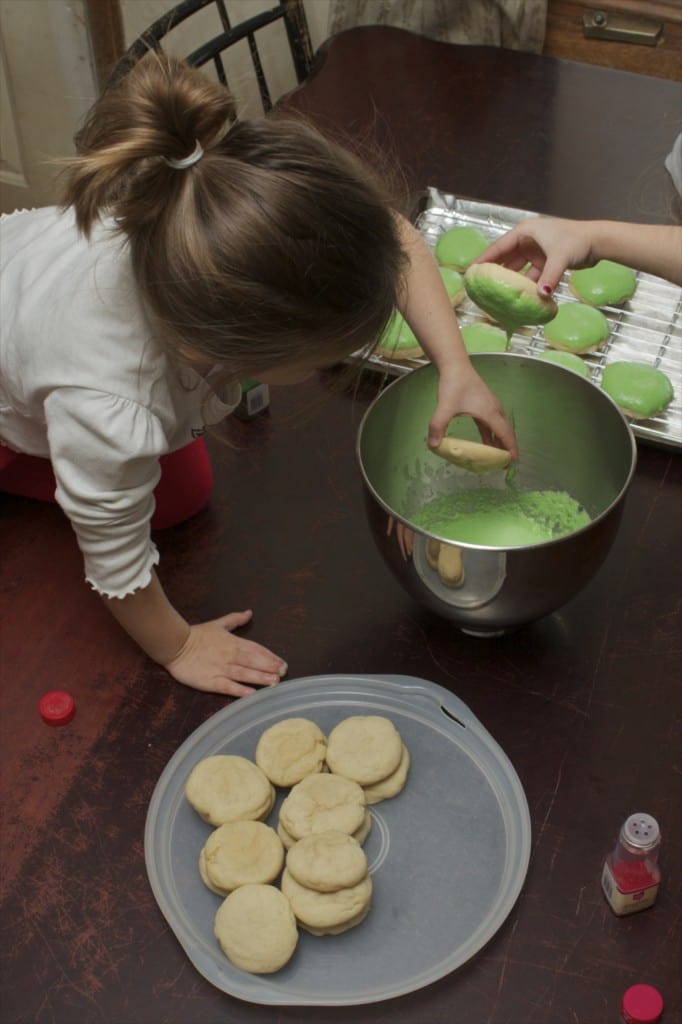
(622, 28)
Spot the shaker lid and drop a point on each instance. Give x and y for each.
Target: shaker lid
(642, 1004)
(641, 831)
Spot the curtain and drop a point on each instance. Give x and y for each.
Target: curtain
(514, 24)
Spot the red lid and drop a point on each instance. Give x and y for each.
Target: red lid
(642, 1004)
(57, 707)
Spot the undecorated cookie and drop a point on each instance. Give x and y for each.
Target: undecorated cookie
(392, 784)
(256, 928)
(323, 803)
(327, 862)
(326, 909)
(226, 788)
(241, 853)
(290, 750)
(365, 748)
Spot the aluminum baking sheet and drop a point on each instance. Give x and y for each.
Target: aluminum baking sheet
(448, 856)
(646, 329)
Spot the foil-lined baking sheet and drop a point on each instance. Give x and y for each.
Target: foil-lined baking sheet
(647, 329)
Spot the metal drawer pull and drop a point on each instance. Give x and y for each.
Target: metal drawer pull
(623, 28)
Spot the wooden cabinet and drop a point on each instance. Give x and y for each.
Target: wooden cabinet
(565, 36)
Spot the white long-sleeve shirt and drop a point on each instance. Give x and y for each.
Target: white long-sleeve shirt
(84, 383)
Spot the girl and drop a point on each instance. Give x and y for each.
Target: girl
(193, 251)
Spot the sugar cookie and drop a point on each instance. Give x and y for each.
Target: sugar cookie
(569, 360)
(290, 750)
(577, 328)
(507, 296)
(323, 802)
(339, 928)
(242, 853)
(458, 247)
(483, 338)
(364, 748)
(226, 788)
(398, 340)
(392, 784)
(360, 833)
(454, 284)
(256, 928)
(640, 391)
(605, 284)
(326, 909)
(327, 862)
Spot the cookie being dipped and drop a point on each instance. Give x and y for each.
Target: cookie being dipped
(508, 297)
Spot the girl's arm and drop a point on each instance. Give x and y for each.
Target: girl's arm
(553, 245)
(206, 656)
(427, 308)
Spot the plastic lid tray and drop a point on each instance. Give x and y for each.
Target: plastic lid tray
(448, 856)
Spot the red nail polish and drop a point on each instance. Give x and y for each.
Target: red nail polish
(546, 289)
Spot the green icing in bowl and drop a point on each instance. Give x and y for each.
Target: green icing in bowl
(502, 519)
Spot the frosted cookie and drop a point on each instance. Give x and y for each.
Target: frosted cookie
(569, 360)
(365, 748)
(454, 284)
(226, 788)
(507, 296)
(327, 862)
(605, 284)
(326, 909)
(360, 834)
(577, 328)
(459, 247)
(483, 338)
(392, 784)
(323, 803)
(256, 928)
(241, 853)
(290, 750)
(640, 391)
(398, 340)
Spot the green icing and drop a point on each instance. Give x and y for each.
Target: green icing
(567, 359)
(459, 247)
(506, 304)
(453, 281)
(502, 519)
(483, 338)
(637, 387)
(605, 284)
(577, 327)
(397, 335)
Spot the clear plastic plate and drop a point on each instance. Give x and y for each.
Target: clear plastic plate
(448, 856)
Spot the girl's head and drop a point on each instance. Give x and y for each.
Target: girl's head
(276, 249)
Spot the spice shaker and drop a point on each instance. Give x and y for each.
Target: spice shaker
(631, 876)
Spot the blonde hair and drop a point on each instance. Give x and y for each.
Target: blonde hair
(277, 247)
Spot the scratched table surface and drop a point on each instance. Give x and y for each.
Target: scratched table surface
(583, 702)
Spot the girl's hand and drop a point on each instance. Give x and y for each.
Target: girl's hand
(550, 244)
(461, 392)
(214, 660)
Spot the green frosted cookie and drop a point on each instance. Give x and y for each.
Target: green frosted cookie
(483, 338)
(458, 247)
(604, 284)
(567, 359)
(640, 391)
(454, 284)
(577, 328)
(508, 297)
(398, 340)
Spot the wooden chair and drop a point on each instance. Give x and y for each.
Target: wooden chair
(290, 12)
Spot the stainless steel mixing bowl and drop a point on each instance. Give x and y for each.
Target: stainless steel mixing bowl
(572, 438)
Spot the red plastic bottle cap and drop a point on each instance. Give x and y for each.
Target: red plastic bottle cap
(57, 707)
(642, 1004)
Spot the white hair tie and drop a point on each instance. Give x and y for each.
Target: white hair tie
(187, 161)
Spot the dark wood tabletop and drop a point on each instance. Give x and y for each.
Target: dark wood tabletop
(584, 702)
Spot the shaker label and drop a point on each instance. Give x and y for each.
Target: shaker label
(626, 902)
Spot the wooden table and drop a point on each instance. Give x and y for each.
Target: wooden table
(582, 702)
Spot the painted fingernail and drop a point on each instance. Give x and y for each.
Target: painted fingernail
(547, 289)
